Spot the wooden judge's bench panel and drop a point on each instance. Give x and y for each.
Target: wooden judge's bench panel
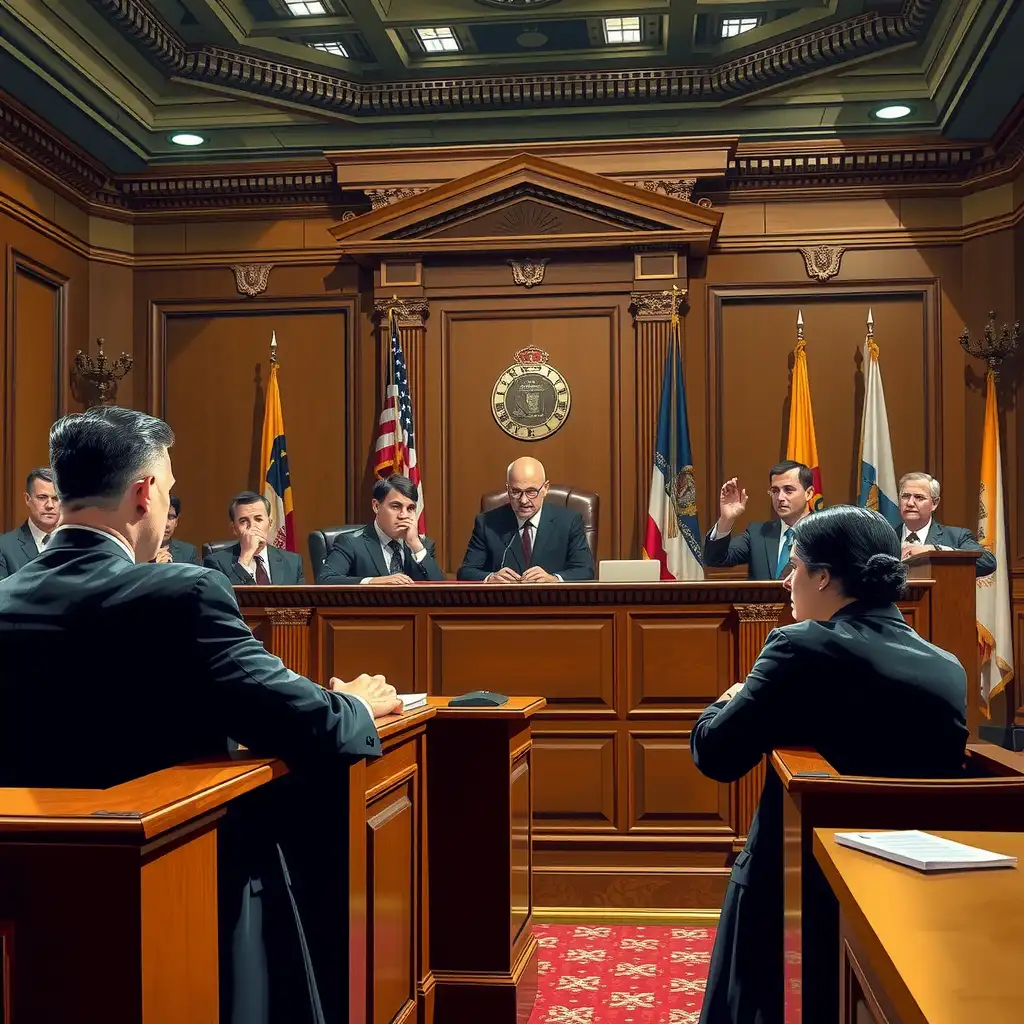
(621, 817)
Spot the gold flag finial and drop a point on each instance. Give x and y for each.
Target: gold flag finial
(871, 324)
(273, 348)
(799, 325)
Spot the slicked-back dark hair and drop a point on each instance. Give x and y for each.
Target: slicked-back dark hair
(405, 487)
(246, 498)
(788, 465)
(95, 455)
(42, 473)
(176, 504)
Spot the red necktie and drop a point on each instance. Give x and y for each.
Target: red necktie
(527, 543)
(261, 574)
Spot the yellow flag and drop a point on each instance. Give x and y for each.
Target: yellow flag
(802, 445)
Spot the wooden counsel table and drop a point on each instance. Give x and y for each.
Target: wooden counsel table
(108, 898)
(816, 795)
(621, 817)
(927, 948)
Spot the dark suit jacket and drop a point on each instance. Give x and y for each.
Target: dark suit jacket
(285, 566)
(757, 547)
(182, 551)
(874, 699)
(17, 548)
(559, 545)
(150, 666)
(354, 556)
(960, 539)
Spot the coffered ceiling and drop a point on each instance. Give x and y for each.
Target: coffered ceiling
(262, 80)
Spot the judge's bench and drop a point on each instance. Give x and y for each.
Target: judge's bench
(577, 795)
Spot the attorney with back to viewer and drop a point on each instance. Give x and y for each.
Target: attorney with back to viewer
(527, 541)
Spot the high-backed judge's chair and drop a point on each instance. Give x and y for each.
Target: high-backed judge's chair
(210, 547)
(321, 542)
(586, 503)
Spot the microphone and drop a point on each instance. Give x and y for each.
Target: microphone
(504, 553)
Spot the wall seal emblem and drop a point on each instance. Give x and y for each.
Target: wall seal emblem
(531, 399)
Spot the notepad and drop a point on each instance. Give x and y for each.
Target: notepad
(412, 701)
(923, 851)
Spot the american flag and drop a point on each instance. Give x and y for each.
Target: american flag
(395, 449)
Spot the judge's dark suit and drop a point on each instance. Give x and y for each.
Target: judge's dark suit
(17, 548)
(355, 556)
(559, 545)
(874, 699)
(285, 566)
(757, 547)
(960, 539)
(148, 666)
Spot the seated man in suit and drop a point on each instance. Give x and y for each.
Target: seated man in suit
(527, 541)
(166, 669)
(919, 498)
(176, 550)
(763, 547)
(390, 551)
(252, 561)
(20, 546)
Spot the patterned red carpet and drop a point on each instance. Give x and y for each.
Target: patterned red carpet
(621, 974)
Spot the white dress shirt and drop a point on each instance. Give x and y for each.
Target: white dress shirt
(385, 547)
(37, 535)
(103, 533)
(251, 567)
(922, 534)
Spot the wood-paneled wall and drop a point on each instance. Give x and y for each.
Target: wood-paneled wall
(201, 358)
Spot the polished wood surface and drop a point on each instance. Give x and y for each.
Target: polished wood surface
(990, 794)
(621, 817)
(108, 898)
(944, 948)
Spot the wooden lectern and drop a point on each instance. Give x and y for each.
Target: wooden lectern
(816, 796)
(108, 898)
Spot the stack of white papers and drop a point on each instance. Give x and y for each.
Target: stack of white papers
(924, 851)
(412, 701)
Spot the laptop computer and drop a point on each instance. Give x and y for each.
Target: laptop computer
(629, 570)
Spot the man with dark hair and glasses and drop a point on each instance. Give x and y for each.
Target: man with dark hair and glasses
(527, 541)
(390, 550)
(172, 549)
(20, 546)
(765, 547)
(155, 666)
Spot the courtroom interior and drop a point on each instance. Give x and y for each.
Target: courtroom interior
(529, 354)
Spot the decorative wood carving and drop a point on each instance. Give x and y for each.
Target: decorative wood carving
(648, 306)
(386, 196)
(823, 261)
(736, 76)
(411, 312)
(675, 188)
(251, 278)
(528, 272)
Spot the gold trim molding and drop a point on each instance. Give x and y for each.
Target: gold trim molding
(251, 278)
(411, 312)
(822, 262)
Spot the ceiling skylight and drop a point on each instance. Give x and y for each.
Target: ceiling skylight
(304, 8)
(737, 26)
(622, 30)
(338, 49)
(437, 40)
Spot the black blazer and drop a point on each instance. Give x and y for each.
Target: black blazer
(873, 698)
(757, 546)
(285, 566)
(960, 539)
(169, 666)
(354, 556)
(182, 551)
(17, 548)
(559, 545)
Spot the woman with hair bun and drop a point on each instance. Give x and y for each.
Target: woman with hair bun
(849, 678)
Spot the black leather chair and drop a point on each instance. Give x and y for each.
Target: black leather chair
(218, 545)
(587, 503)
(321, 542)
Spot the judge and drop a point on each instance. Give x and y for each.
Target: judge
(849, 678)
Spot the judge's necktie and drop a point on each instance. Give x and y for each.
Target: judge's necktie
(785, 554)
(912, 538)
(527, 542)
(395, 558)
(262, 578)
(46, 538)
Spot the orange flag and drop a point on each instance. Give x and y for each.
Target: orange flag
(802, 446)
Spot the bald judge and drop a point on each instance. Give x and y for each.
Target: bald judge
(527, 541)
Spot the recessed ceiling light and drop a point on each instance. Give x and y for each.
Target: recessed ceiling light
(892, 111)
(437, 40)
(187, 139)
(531, 37)
(304, 8)
(337, 48)
(622, 30)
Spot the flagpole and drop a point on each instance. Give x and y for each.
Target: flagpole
(273, 348)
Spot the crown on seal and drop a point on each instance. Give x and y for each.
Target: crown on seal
(531, 354)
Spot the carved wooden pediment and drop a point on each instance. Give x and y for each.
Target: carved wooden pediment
(525, 203)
